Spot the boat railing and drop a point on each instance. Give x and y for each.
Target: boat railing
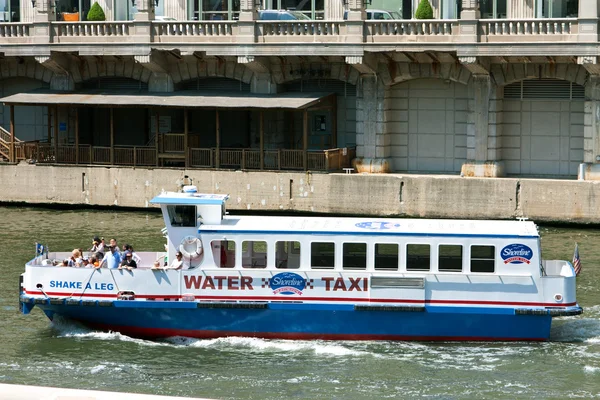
(557, 268)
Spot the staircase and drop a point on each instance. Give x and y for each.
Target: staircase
(5, 146)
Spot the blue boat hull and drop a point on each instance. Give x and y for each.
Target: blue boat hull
(305, 321)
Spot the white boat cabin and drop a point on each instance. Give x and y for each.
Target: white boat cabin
(198, 225)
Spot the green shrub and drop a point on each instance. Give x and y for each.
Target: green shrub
(96, 13)
(424, 11)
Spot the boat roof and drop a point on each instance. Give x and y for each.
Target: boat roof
(371, 226)
(182, 198)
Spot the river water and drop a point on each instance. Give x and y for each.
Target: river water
(34, 351)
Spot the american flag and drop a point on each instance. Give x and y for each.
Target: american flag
(576, 260)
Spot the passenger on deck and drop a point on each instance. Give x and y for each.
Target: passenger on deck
(136, 258)
(94, 262)
(156, 265)
(177, 262)
(75, 260)
(128, 262)
(85, 262)
(65, 263)
(113, 243)
(112, 259)
(97, 246)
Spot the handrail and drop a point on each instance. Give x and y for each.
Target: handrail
(5, 136)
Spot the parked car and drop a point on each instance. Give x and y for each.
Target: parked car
(379, 14)
(163, 18)
(281, 15)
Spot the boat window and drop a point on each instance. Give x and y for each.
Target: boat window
(182, 215)
(223, 253)
(322, 255)
(483, 258)
(354, 255)
(418, 257)
(387, 256)
(450, 257)
(287, 255)
(254, 254)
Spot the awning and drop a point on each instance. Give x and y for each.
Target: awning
(192, 99)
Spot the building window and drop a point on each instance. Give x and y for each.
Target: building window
(450, 257)
(10, 11)
(451, 9)
(493, 9)
(483, 259)
(223, 253)
(387, 256)
(182, 215)
(322, 255)
(354, 255)
(215, 10)
(287, 255)
(557, 8)
(418, 257)
(254, 254)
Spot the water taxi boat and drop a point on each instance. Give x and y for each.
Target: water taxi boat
(317, 278)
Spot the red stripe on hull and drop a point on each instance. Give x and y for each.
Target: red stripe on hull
(156, 333)
(323, 299)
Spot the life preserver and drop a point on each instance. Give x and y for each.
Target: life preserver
(191, 247)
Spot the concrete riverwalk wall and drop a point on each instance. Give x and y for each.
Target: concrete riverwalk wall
(428, 196)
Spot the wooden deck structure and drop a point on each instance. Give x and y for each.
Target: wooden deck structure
(178, 149)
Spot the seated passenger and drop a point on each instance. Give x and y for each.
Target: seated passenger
(75, 260)
(177, 262)
(128, 262)
(65, 263)
(156, 265)
(85, 262)
(134, 255)
(93, 262)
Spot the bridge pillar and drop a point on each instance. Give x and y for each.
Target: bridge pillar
(590, 168)
(373, 142)
(484, 130)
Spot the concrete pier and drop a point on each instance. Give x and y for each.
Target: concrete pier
(25, 392)
(426, 196)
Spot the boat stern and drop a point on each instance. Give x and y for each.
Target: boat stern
(559, 287)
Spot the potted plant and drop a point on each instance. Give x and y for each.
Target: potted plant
(424, 10)
(96, 13)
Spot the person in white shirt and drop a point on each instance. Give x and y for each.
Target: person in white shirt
(177, 262)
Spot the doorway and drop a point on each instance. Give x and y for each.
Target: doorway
(319, 130)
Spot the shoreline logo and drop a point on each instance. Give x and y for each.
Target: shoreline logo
(516, 254)
(376, 225)
(287, 283)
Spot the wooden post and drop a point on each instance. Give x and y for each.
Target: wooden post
(218, 155)
(334, 122)
(56, 134)
(76, 135)
(185, 136)
(156, 135)
(262, 139)
(112, 137)
(49, 125)
(305, 138)
(13, 157)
